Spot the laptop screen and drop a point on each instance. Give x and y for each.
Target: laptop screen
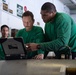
(13, 47)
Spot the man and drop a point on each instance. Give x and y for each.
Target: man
(5, 34)
(31, 34)
(4, 31)
(60, 31)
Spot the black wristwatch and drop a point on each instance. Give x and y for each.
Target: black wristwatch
(38, 47)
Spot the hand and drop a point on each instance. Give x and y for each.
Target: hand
(27, 47)
(31, 46)
(39, 56)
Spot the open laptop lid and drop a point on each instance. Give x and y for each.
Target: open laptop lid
(13, 48)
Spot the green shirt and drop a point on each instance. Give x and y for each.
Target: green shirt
(33, 36)
(2, 57)
(60, 32)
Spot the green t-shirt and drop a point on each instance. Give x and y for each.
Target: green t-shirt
(33, 36)
(60, 32)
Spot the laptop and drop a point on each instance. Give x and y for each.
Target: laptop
(13, 48)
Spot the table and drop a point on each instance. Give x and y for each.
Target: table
(35, 67)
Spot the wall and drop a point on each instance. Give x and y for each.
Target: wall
(73, 17)
(61, 7)
(35, 6)
(16, 22)
(12, 20)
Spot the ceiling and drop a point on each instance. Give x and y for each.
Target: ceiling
(71, 4)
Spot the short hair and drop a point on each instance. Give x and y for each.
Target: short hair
(4, 26)
(28, 13)
(49, 7)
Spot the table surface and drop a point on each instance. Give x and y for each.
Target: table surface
(34, 67)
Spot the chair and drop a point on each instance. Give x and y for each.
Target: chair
(63, 51)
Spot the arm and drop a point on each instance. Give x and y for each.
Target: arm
(39, 38)
(63, 35)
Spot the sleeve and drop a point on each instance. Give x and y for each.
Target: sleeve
(18, 34)
(39, 38)
(63, 35)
